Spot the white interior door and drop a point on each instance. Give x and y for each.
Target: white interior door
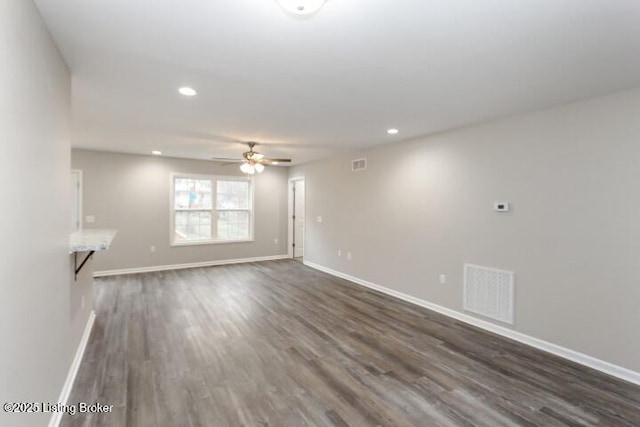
(298, 222)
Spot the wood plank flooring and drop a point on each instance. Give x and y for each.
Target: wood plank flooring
(279, 344)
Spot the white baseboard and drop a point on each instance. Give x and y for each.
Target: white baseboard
(106, 273)
(56, 417)
(574, 356)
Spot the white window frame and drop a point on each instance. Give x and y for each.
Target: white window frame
(214, 217)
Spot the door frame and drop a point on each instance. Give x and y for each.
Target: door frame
(290, 223)
(78, 173)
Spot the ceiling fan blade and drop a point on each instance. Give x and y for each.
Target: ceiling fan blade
(226, 159)
(268, 161)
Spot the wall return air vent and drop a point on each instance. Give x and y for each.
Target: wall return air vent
(489, 292)
(358, 165)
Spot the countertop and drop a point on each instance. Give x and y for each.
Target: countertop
(91, 240)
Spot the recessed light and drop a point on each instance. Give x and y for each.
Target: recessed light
(187, 91)
(156, 153)
(392, 131)
(301, 7)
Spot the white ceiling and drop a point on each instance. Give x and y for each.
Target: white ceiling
(308, 88)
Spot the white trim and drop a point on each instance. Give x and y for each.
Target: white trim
(574, 356)
(290, 213)
(208, 242)
(56, 417)
(151, 269)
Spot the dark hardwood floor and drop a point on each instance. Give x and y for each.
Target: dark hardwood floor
(280, 344)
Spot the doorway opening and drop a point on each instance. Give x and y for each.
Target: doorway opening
(296, 218)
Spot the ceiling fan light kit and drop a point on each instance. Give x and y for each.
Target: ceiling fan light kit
(301, 7)
(251, 167)
(247, 168)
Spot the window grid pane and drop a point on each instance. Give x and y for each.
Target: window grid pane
(192, 193)
(233, 225)
(192, 225)
(232, 194)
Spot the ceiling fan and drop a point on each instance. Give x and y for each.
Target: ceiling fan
(252, 161)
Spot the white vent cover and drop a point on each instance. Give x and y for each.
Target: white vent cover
(488, 292)
(358, 165)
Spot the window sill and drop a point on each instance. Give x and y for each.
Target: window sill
(210, 242)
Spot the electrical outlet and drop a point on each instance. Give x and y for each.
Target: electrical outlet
(90, 219)
(348, 256)
(275, 241)
(339, 252)
(443, 279)
(152, 249)
(319, 218)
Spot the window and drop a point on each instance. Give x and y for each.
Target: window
(210, 209)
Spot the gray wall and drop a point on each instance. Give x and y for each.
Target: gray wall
(425, 207)
(41, 320)
(131, 193)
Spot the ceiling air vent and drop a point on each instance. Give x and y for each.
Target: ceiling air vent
(358, 165)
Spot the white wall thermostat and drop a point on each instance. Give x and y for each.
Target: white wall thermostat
(501, 207)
